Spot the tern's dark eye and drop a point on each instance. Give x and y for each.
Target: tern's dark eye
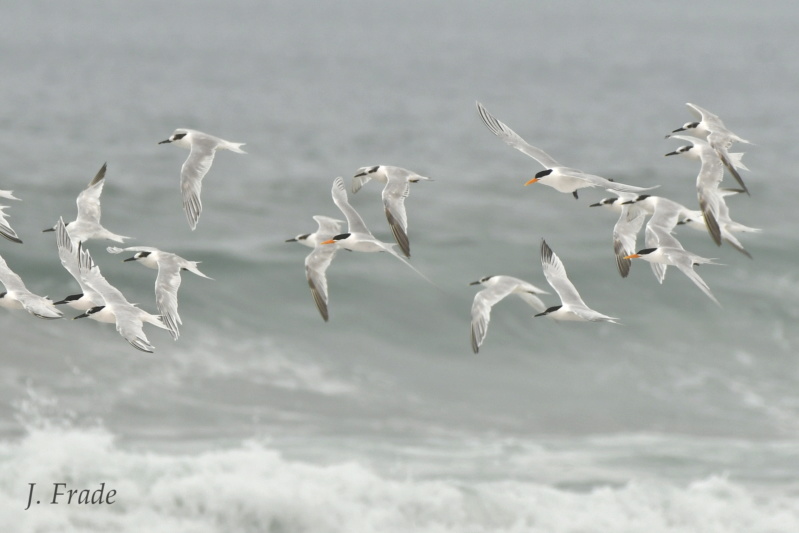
(142, 254)
(178, 136)
(372, 170)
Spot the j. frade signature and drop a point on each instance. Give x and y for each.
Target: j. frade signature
(61, 494)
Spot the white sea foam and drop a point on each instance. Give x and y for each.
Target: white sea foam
(251, 487)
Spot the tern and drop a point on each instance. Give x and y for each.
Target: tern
(694, 219)
(167, 282)
(358, 237)
(17, 296)
(327, 228)
(87, 225)
(203, 148)
(682, 259)
(625, 231)
(68, 253)
(710, 174)
(397, 187)
(128, 318)
(665, 215)
(5, 228)
(496, 289)
(317, 262)
(555, 175)
(572, 306)
(711, 128)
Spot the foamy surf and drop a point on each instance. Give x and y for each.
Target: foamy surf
(253, 487)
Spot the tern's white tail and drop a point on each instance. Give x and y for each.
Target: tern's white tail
(233, 147)
(192, 267)
(393, 252)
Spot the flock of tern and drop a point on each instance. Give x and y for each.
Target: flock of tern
(708, 141)
(99, 299)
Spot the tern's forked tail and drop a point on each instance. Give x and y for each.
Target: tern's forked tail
(233, 147)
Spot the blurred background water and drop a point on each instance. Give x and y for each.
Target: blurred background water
(262, 417)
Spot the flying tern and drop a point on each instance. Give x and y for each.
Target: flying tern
(317, 262)
(681, 259)
(167, 282)
(327, 228)
(203, 148)
(710, 127)
(710, 174)
(397, 187)
(627, 227)
(555, 175)
(68, 253)
(728, 227)
(572, 306)
(358, 237)
(496, 289)
(128, 318)
(87, 225)
(665, 215)
(17, 296)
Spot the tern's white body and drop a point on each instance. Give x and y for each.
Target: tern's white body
(167, 282)
(87, 224)
(203, 148)
(572, 307)
(317, 262)
(397, 182)
(555, 175)
(496, 289)
(17, 296)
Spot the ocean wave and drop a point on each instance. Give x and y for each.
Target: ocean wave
(252, 487)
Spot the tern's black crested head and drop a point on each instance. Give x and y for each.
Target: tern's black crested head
(365, 171)
(140, 255)
(646, 251)
(3, 294)
(341, 236)
(681, 149)
(687, 126)
(70, 298)
(543, 173)
(481, 280)
(605, 201)
(90, 312)
(178, 136)
(550, 310)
